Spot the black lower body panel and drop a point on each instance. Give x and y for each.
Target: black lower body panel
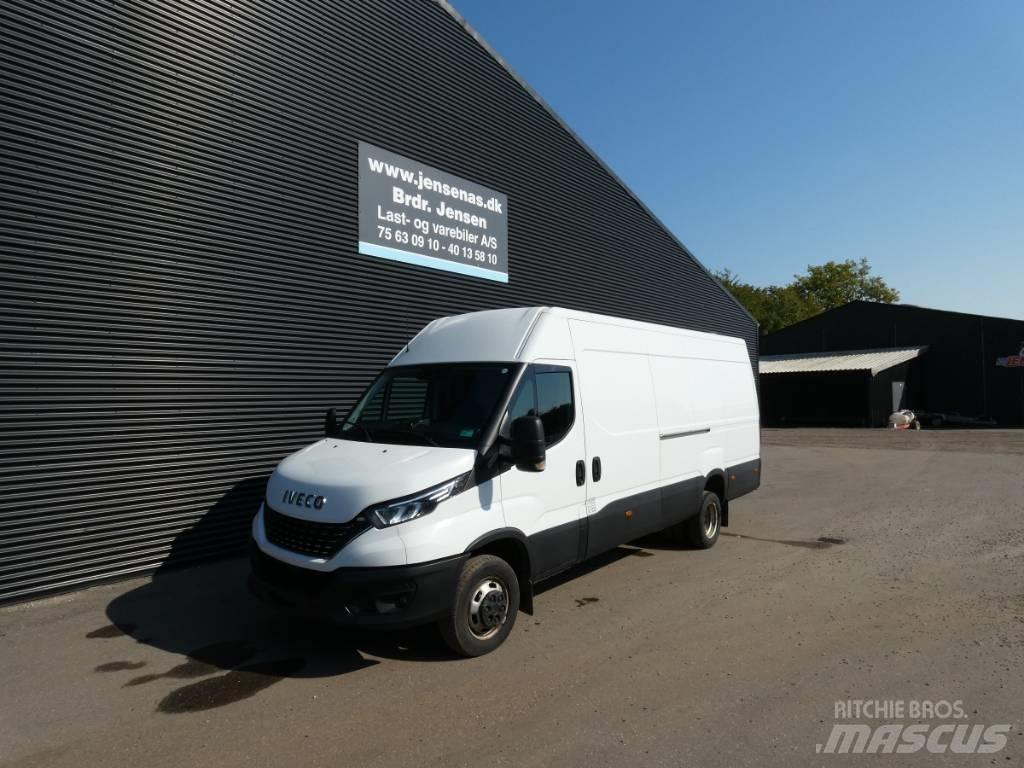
(624, 520)
(743, 479)
(681, 501)
(555, 549)
(387, 597)
(642, 513)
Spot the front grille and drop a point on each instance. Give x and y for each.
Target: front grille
(308, 537)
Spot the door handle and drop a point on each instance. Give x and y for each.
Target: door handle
(581, 472)
(595, 468)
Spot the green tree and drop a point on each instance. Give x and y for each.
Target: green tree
(835, 283)
(823, 287)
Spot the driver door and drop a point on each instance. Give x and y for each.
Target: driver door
(549, 506)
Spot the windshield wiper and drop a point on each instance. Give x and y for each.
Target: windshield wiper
(367, 432)
(425, 438)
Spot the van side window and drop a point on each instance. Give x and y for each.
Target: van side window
(554, 402)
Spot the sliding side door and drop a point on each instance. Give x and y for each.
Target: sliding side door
(621, 433)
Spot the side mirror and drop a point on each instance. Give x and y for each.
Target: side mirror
(528, 449)
(331, 423)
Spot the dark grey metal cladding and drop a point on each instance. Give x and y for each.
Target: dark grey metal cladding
(182, 295)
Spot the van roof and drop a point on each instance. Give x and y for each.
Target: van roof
(513, 334)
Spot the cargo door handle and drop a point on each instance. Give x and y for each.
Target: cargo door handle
(595, 468)
(581, 472)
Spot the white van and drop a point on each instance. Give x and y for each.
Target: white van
(497, 449)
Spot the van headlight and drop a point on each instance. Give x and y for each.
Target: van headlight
(411, 507)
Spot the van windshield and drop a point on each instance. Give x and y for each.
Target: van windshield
(447, 405)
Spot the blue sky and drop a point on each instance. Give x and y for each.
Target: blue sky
(770, 136)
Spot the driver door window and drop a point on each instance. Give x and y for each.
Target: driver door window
(545, 391)
(554, 403)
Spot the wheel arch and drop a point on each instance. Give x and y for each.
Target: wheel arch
(510, 545)
(717, 482)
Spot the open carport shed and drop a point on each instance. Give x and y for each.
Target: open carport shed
(857, 388)
(974, 365)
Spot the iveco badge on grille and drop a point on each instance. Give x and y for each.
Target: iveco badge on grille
(307, 500)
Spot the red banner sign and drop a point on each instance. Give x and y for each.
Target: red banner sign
(1013, 361)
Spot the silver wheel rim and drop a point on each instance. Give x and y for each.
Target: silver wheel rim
(711, 520)
(488, 608)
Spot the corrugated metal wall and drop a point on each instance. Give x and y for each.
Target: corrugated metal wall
(182, 295)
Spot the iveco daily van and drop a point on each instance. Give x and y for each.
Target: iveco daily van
(497, 449)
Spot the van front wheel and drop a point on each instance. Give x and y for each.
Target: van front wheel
(485, 606)
(702, 529)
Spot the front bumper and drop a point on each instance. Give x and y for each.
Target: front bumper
(390, 597)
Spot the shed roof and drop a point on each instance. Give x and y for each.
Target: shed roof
(874, 360)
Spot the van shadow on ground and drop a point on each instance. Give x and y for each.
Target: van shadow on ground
(232, 645)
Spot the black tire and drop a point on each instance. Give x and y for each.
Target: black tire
(485, 607)
(937, 422)
(701, 531)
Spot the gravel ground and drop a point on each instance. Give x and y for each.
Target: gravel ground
(1009, 441)
(871, 565)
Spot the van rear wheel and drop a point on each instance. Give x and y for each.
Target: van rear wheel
(701, 531)
(485, 606)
